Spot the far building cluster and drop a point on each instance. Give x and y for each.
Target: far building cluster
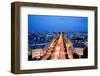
(66, 45)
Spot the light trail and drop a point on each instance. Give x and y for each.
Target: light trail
(56, 49)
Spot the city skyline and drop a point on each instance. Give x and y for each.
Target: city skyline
(68, 42)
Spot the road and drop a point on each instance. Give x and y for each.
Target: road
(59, 48)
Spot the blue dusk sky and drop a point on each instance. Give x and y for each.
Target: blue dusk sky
(48, 23)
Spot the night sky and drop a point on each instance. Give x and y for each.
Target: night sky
(48, 23)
